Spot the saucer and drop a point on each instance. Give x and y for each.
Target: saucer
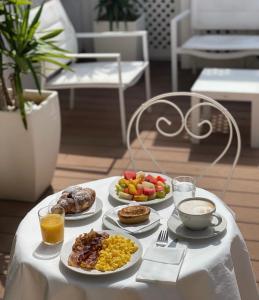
(176, 226)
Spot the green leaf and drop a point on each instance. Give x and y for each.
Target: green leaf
(51, 34)
(36, 79)
(21, 2)
(35, 22)
(19, 91)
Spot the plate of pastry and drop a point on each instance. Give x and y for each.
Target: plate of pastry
(145, 188)
(101, 252)
(78, 202)
(133, 219)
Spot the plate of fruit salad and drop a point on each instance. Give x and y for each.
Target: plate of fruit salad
(143, 187)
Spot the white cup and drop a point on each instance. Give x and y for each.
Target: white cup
(197, 213)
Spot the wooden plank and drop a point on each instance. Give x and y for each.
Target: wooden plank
(9, 224)
(247, 215)
(240, 199)
(253, 248)
(2, 285)
(6, 242)
(249, 231)
(255, 266)
(14, 208)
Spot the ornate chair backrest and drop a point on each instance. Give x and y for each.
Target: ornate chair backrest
(54, 16)
(225, 14)
(206, 101)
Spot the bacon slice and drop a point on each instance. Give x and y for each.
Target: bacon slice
(85, 250)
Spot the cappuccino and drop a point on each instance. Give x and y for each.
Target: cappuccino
(196, 207)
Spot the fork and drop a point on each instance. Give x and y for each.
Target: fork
(162, 239)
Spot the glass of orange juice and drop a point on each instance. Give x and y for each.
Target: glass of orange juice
(52, 224)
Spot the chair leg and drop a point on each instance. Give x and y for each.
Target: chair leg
(174, 72)
(147, 83)
(72, 99)
(122, 115)
(195, 119)
(194, 69)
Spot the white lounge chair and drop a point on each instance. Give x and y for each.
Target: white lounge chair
(112, 73)
(208, 18)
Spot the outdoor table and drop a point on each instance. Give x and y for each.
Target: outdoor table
(214, 269)
(228, 85)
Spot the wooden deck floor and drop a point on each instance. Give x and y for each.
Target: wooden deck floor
(91, 149)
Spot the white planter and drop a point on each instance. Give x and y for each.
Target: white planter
(28, 157)
(130, 48)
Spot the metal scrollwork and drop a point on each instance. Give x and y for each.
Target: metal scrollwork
(184, 125)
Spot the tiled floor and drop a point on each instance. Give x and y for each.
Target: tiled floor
(91, 149)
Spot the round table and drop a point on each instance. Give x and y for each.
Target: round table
(214, 269)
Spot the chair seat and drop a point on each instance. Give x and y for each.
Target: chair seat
(222, 42)
(98, 74)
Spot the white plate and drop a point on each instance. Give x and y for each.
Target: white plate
(138, 228)
(67, 247)
(83, 214)
(177, 227)
(114, 195)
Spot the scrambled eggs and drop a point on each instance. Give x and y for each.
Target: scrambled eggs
(115, 253)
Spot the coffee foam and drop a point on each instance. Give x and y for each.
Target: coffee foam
(196, 207)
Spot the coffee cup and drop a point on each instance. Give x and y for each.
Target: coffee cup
(197, 213)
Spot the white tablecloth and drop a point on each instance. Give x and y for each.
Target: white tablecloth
(216, 269)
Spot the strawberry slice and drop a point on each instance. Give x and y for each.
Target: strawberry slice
(148, 191)
(151, 179)
(129, 175)
(159, 178)
(126, 190)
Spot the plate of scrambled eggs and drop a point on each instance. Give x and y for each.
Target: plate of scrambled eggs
(101, 252)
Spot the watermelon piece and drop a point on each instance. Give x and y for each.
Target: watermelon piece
(159, 178)
(151, 179)
(140, 191)
(148, 191)
(129, 175)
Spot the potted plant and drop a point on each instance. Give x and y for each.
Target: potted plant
(118, 15)
(29, 119)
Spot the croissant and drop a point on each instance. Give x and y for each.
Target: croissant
(76, 199)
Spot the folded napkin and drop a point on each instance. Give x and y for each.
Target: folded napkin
(161, 264)
(132, 228)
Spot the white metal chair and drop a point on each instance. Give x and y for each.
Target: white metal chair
(168, 100)
(220, 29)
(112, 73)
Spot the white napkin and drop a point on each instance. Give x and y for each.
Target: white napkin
(161, 264)
(132, 228)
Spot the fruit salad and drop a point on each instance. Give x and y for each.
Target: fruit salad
(139, 186)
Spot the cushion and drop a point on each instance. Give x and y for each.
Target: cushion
(222, 42)
(97, 74)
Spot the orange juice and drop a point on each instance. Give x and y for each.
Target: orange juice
(52, 228)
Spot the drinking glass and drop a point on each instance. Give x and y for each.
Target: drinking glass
(52, 224)
(183, 187)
